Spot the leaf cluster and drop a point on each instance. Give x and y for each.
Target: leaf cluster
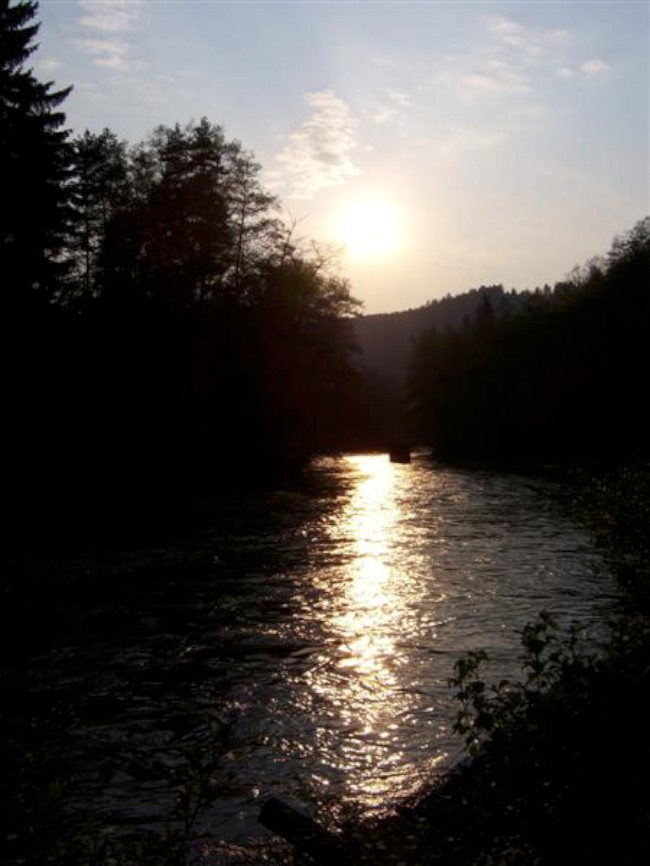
(554, 670)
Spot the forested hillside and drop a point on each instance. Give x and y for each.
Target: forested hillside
(563, 380)
(159, 311)
(386, 339)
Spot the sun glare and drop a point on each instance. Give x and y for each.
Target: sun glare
(369, 229)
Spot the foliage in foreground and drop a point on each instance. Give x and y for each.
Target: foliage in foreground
(557, 763)
(617, 505)
(39, 826)
(557, 769)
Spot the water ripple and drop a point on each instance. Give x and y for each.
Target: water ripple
(321, 623)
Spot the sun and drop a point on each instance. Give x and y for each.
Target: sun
(369, 229)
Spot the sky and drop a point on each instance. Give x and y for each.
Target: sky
(443, 145)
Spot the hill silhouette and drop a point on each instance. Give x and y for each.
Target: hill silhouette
(386, 340)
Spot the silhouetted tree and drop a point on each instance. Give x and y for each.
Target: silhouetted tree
(309, 380)
(564, 379)
(36, 223)
(216, 329)
(99, 186)
(198, 222)
(35, 161)
(186, 323)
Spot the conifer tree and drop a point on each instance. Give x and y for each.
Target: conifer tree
(99, 187)
(34, 165)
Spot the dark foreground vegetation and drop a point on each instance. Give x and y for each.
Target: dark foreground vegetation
(160, 319)
(557, 763)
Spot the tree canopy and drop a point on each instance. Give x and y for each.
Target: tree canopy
(34, 164)
(181, 320)
(161, 310)
(563, 379)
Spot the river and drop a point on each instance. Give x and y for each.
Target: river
(313, 627)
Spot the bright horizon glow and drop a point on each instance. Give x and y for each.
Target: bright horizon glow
(369, 229)
(510, 139)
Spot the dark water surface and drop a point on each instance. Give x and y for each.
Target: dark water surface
(315, 627)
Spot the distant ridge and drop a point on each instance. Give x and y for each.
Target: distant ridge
(386, 339)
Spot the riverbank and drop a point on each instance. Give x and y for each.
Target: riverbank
(561, 778)
(558, 763)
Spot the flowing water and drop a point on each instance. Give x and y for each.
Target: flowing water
(314, 628)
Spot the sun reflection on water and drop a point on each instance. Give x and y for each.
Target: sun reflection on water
(375, 610)
(369, 600)
(403, 568)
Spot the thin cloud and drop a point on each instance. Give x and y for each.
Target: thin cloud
(395, 101)
(384, 114)
(318, 154)
(508, 31)
(499, 79)
(504, 64)
(113, 16)
(496, 76)
(92, 92)
(399, 97)
(516, 55)
(105, 22)
(532, 44)
(110, 54)
(591, 68)
(48, 64)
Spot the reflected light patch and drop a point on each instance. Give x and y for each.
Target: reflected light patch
(369, 601)
(365, 589)
(367, 618)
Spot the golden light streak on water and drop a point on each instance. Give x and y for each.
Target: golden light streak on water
(369, 601)
(408, 568)
(374, 606)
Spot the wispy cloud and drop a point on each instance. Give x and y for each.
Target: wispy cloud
(48, 64)
(92, 92)
(496, 76)
(531, 43)
(501, 85)
(502, 65)
(395, 100)
(318, 153)
(106, 52)
(515, 58)
(534, 46)
(591, 68)
(105, 23)
(113, 16)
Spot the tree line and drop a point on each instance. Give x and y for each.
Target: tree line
(158, 308)
(562, 380)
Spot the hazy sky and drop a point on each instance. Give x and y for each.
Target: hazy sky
(449, 144)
